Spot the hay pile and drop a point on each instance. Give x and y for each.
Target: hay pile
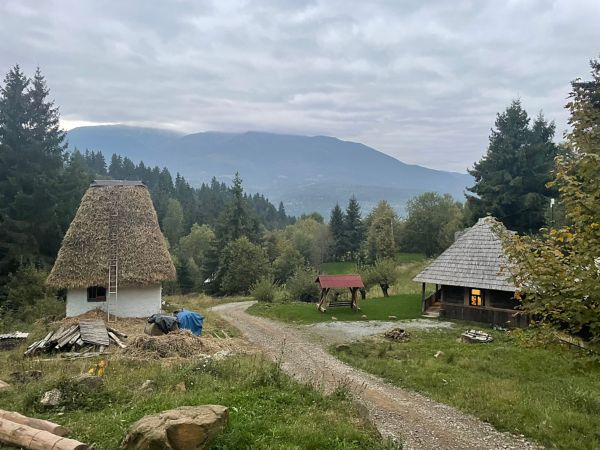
(181, 343)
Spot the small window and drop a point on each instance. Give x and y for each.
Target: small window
(476, 297)
(96, 294)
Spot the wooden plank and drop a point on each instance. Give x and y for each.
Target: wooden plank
(94, 332)
(116, 339)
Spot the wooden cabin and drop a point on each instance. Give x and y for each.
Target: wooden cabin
(472, 281)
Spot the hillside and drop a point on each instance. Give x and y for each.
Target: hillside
(306, 173)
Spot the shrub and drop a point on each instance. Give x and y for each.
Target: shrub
(264, 290)
(301, 286)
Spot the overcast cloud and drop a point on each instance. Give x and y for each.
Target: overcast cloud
(419, 80)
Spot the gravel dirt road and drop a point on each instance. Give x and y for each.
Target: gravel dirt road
(416, 421)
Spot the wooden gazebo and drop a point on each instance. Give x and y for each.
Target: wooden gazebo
(326, 282)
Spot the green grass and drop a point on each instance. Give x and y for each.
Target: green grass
(551, 395)
(339, 267)
(404, 258)
(267, 409)
(401, 306)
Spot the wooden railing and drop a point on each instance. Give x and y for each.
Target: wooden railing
(435, 297)
(485, 314)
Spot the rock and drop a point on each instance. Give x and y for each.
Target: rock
(180, 387)
(26, 376)
(438, 354)
(51, 398)
(364, 317)
(153, 330)
(184, 428)
(148, 386)
(4, 386)
(392, 318)
(397, 334)
(333, 318)
(342, 347)
(88, 380)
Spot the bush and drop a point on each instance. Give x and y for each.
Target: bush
(301, 286)
(264, 290)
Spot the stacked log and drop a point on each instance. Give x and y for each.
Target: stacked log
(35, 434)
(95, 339)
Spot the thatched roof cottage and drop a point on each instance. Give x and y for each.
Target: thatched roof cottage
(471, 278)
(114, 256)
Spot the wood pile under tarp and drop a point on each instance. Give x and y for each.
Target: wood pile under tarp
(86, 338)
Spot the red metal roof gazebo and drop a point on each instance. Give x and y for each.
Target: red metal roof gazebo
(326, 282)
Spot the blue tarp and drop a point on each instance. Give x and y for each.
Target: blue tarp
(190, 320)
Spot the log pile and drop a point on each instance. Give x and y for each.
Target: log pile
(35, 434)
(476, 336)
(86, 338)
(397, 334)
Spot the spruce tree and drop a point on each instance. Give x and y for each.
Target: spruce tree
(337, 228)
(32, 154)
(510, 180)
(353, 228)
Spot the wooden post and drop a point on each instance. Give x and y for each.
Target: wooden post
(423, 298)
(354, 303)
(31, 438)
(321, 305)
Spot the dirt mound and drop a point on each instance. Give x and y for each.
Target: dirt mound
(181, 343)
(95, 314)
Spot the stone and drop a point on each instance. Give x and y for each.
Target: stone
(26, 376)
(438, 354)
(51, 398)
(184, 428)
(88, 380)
(153, 330)
(4, 386)
(333, 318)
(364, 317)
(180, 387)
(392, 318)
(148, 386)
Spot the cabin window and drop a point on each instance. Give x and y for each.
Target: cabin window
(476, 297)
(96, 294)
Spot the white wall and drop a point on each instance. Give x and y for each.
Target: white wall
(131, 302)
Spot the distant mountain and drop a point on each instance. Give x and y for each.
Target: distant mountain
(306, 173)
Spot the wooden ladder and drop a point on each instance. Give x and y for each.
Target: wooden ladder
(113, 259)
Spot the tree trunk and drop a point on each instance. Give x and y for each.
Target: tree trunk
(40, 424)
(384, 288)
(363, 293)
(31, 438)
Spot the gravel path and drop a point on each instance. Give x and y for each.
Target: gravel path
(338, 332)
(416, 421)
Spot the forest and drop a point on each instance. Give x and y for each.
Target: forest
(215, 229)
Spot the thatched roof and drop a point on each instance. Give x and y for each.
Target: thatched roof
(83, 259)
(476, 259)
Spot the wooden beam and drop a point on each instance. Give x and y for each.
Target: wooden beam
(423, 298)
(24, 436)
(40, 424)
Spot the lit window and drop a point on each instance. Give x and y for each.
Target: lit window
(476, 297)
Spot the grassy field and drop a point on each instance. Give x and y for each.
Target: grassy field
(268, 410)
(339, 268)
(407, 306)
(551, 395)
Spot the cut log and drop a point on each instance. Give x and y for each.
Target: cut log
(116, 339)
(117, 332)
(28, 437)
(40, 424)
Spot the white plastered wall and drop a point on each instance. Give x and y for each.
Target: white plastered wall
(131, 302)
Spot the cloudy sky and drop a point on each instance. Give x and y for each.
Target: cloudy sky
(419, 80)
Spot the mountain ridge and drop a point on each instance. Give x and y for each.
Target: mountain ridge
(307, 173)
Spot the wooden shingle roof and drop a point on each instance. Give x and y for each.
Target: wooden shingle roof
(475, 259)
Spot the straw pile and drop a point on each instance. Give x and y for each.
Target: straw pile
(180, 343)
(83, 259)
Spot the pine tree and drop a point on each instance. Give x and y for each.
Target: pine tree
(510, 180)
(32, 154)
(338, 232)
(353, 228)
